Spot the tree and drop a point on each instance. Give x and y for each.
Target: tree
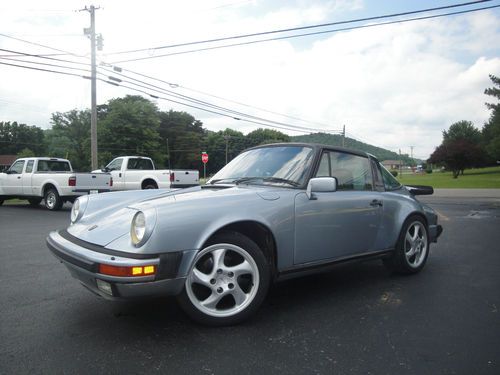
(69, 138)
(15, 137)
(216, 147)
(460, 149)
(129, 126)
(265, 136)
(185, 138)
(491, 130)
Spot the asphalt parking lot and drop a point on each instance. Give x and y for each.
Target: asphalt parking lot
(358, 319)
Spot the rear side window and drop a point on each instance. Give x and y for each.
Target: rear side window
(29, 167)
(143, 164)
(390, 181)
(353, 172)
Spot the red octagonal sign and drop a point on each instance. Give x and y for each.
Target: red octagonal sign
(204, 157)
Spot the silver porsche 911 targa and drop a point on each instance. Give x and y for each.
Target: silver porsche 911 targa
(276, 211)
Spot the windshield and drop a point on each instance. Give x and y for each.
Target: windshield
(277, 165)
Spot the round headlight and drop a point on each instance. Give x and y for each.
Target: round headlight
(79, 207)
(138, 228)
(75, 210)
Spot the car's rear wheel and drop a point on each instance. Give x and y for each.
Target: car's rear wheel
(227, 282)
(52, 199)
(34, 201)
(412, 248)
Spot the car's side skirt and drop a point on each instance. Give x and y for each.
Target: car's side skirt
(323, 266)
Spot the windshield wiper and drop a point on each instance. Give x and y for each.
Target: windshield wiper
(229, 179)
(241, 180)
(267, 179)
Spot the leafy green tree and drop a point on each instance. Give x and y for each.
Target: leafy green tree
(15, 137)
(265, 136)
(129, 126)
(460, 149)
(216, 147)
(491, 130)
(25, 153)
(69, 138)
(182, 139)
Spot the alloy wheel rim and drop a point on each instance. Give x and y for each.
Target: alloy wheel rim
(223, 280)
(416, 244)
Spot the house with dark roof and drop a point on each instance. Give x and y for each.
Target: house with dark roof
(6, 161)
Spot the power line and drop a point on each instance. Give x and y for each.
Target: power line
(241, 36)
(17, 53)
(307, 34)
(45, 70)
(217, 107)
(202, 109)
(44, 64)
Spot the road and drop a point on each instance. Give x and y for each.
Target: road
(358, 319)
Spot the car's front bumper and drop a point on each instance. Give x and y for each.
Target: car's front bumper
(83, 264)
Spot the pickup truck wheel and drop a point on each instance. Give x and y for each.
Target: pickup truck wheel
(52, 200)
(34, 201)
(150, 185)
(227, 281)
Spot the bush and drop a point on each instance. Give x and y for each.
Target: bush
(428, 171)
(394, 173)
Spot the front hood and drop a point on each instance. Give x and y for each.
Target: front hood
(108, 216)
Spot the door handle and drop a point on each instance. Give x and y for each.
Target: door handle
(376, 203)
(18, 177)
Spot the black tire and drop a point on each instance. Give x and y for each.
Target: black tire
(150, 185)
(253, 283)
(34, 201)
(410, 255)
(1, 202)
(52, 200)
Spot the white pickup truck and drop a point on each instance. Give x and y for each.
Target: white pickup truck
(138, 172)
(50, 179)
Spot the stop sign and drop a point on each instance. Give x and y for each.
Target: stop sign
(204, 157)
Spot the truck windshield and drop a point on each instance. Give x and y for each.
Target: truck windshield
(275, 165)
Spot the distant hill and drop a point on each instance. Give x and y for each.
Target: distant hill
(336, 140)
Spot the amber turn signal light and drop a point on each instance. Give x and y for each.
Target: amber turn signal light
(127, 271)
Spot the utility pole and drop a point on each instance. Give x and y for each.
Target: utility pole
(90, 32)
(343, 137)
(227, 137)
(411, 152)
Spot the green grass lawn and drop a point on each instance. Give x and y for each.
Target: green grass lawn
(480, 178)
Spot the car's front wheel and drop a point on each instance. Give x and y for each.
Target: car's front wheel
(412, 248)
(227, 281)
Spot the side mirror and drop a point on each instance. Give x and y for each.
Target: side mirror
(321, 185)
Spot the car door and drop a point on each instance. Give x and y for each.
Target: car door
(13, 181)
(343, 223)
(114, 167)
